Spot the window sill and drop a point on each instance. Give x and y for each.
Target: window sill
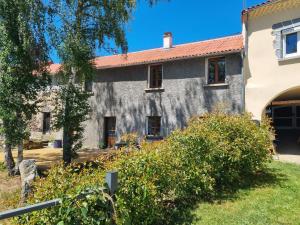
(154, 138)
(91, 93)
(216, 85)
(154, 90)
(286, 58)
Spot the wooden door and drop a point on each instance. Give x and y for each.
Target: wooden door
(110, 131)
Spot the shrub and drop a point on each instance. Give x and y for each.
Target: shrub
(150, 181)
(232, 146)
(78, 186)
(87, 206)
(130, 138)
(215, 153)
(145, 181)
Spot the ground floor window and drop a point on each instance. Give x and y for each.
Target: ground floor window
(110, 131)
(88, 86)
(46, 122)
(154, 125)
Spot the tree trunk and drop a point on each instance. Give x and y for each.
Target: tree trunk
(19, 159)
(67, 135)
(9, 160)
(67, 148)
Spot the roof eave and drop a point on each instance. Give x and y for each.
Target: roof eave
(171, 59)
(255, 7)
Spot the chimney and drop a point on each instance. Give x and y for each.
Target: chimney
(168, 40)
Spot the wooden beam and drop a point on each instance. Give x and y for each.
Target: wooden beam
(287, 102)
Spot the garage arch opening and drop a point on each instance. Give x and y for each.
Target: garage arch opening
(284, 110)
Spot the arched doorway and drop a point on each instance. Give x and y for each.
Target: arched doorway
(285, 113)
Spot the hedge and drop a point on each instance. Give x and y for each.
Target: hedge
(214, 154)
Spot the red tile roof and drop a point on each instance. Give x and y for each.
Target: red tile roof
(218, 46)
(54, 68)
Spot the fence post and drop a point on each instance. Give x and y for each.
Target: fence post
(111, 179)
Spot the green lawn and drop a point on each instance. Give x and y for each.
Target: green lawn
(273, 200)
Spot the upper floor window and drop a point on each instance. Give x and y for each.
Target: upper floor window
(216, 70)
(155, 76)
(291, 43)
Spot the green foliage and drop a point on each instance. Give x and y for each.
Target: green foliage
(91, 205)
(2, 166)
(145, 180)
(130, 139)
(84, 202)
(83, 27)
(215, 154)
(23, 59)
(71, 118)
(233, 146)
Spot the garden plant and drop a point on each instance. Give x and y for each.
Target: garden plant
(215, 154)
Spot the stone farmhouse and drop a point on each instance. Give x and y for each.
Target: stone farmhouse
(155, 91)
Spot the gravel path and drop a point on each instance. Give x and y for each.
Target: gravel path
(288, 158)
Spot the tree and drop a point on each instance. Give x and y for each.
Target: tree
(23, 70)
(79, 28)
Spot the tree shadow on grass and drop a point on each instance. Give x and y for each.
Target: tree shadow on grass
(182, 211)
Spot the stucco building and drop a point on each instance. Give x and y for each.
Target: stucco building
(272, 64)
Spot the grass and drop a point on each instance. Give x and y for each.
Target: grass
(273, 199)
(9, 192)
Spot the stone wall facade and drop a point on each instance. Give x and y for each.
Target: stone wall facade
(46, 105)
(122, 93)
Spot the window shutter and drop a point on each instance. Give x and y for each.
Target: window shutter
(278, 44)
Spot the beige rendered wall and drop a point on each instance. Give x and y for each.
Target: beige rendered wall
(265, 77)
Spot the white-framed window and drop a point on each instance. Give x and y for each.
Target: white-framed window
(291, 44)
(155, 76)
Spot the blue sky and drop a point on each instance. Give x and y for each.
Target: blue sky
(188, 20)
